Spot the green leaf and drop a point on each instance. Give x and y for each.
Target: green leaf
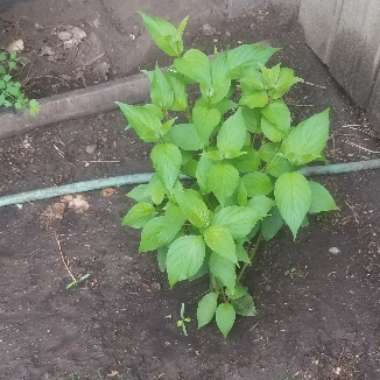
(203, 271)
(205, 120)
(161, 91)
(203, 168)
(161, 258)
(271, 75)
(261, 204)
(293, 198)
(221, 82)
(140, 193)
(182, 26)
(268, 151)
(278, 114)
(156, 190)
(190, 168)
(158, 232)
(252, 80)
(180, 102)
(286, 81)
(242, 254)
(257, 183)
(226, 105)
(272, 224)
(223, 180)
(244, 56)
(139, 215)
(306, 142)
(172, 211)
(161, 230)
(242, 195)
(193, 207)
(166, 126)
(239, 220)
(321, 199)
(186, 137)
(232, 135)
(245, 306)
(252, 119)
(34, 107)
(185, 258)
(275, 123)
(225, 318)
(213, 154)
(278, 166)
(167, 160)
(153, 191)
(206, 309)
(255, 99)
(164, 34)
(219, 239)
(195, 65)
(270, 131)
(222, 269)
(144, 120)
(237, 292)
(248, 163)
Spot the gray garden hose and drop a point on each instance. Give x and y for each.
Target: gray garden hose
(132, 179)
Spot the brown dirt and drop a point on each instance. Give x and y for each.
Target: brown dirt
(318, 312)
(112, 31)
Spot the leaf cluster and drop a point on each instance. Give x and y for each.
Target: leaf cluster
(11, 92)
(241, 152)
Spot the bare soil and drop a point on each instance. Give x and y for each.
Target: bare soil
(318, 308)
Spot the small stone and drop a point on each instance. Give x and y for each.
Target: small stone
(228, 33)
(208, 30)
(64, 36)
(78, 34)
(337, 370)
(90, 149)
(334, 250)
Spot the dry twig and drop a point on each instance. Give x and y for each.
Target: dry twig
(63, 258)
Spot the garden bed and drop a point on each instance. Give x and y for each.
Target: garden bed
(318, 298)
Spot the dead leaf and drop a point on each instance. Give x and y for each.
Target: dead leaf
(71, 36)
(108, 192)
(52, 214)
(77, 203)
(16, 46)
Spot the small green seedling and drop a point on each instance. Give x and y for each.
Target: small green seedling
(241, 153)
(75, 283)
(11, 93)
(181, 323)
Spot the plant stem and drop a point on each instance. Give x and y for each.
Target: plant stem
(215, 286)
(251, 257)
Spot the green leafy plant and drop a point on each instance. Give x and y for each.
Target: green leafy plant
(227, 167)
(11, 93)
(183, 321)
